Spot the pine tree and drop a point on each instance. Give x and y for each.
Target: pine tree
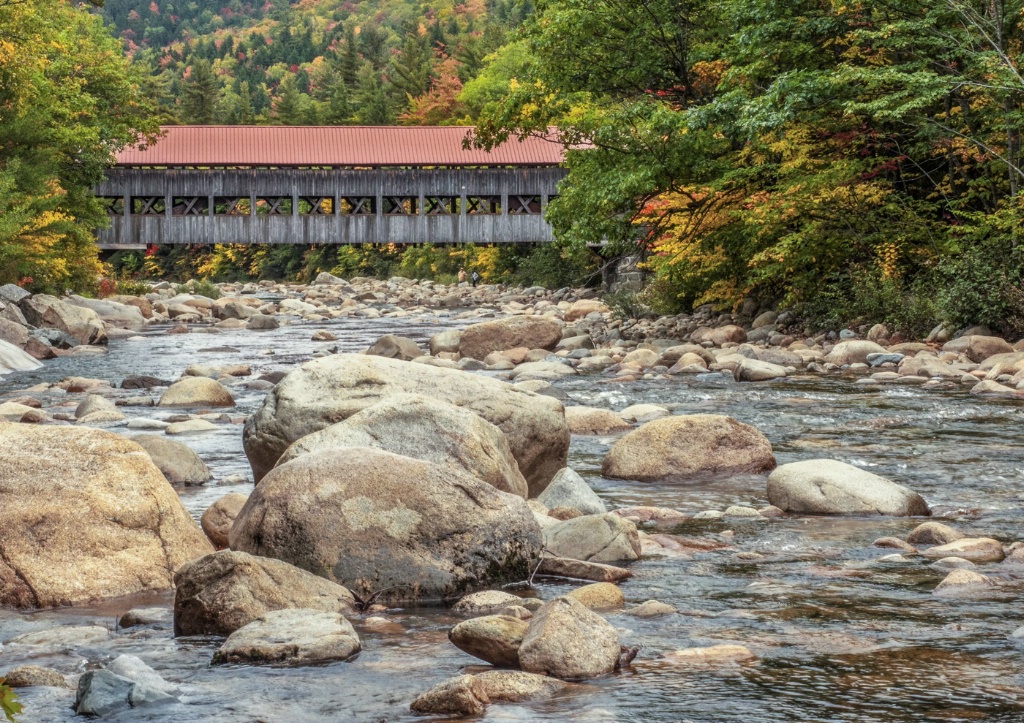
(201, 95)
(371, 99)
(290, 105)
(412, 67)
(338, 110)
(349, 60)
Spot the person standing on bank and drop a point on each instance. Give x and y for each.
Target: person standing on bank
(462, 276)
(476, 279)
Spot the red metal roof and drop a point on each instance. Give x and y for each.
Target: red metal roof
(333, 146)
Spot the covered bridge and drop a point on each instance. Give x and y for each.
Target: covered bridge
(329, 185)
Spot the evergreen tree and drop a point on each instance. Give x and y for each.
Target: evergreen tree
(371, 99)
(412, 68)
(338, 109)
(350, 59)
(201, 95)
(290, 105)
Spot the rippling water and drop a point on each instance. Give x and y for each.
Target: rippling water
(839, 636)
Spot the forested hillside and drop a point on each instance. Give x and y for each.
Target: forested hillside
(318, 61)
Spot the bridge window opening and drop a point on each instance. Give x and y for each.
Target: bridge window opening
(149, 205)
(441, 205)
(524, 205)
(114, 205)
(190, 206)
(274, 206)
(481, 205)
(231, 206)
(316, 206)
(400, 205)
(357, 206)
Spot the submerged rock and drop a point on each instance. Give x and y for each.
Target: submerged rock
(711, 655)
(975, 549)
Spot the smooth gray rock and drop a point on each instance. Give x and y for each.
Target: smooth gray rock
(568, 489)
(593, 538)
(102, 693)
(829, 487)
(292, 636)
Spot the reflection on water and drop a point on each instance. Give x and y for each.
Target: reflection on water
(839, 636)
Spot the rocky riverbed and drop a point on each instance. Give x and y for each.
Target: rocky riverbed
(771, 526)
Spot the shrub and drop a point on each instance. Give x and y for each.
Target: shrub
(983, 285)
(866, 296)
(202, 287)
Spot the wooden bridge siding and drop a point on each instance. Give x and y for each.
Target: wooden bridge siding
(334, 184)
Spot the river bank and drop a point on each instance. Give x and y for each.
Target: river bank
(817, 604)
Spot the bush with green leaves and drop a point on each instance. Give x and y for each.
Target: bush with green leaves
(202, 287)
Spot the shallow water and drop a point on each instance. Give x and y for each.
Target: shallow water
(839, 636)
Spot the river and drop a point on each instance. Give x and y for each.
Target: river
(839, 635)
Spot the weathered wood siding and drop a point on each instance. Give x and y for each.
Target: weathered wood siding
(336, 228)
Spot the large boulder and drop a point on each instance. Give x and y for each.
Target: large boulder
(121, 316)
(85, 515)
(177, 461)
(13, 333)
(196, 392)
(13, 359)
(222, 592)
(291, 636)
(829, 487)
(420, 427)
(328, 390)
(85, 325)
(531, 332)
(566, 640)
(593, 538)
(854, 351)
(685, 446)
(387, 525)
(978, 348)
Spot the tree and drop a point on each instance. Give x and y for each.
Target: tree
(371, 106)
(338, 109)
(201, 94)
(412, 68)
(440, 105)
(68, 101)
(291, 106)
